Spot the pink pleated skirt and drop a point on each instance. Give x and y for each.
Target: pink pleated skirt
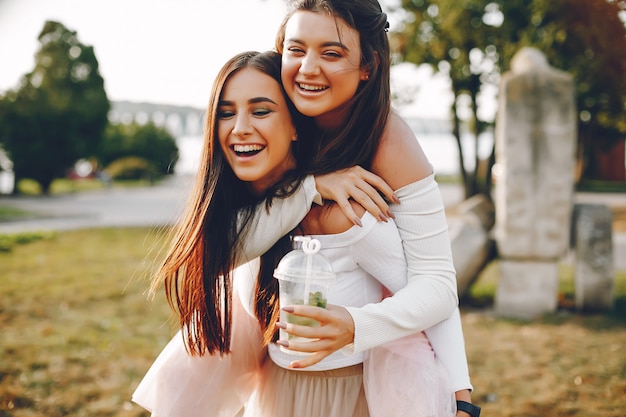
(289, 393)
(403, 378)
(399, 379)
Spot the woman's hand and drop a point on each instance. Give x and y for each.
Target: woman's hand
(360, 185)
(335, 331)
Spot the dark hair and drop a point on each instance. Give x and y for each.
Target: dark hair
(358, 139)
(207, 241)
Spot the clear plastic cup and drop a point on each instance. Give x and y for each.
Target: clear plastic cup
(304, 277)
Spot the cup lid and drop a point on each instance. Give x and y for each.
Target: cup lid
(300, 264)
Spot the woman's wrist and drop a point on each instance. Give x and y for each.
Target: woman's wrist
(464, 404)
(463, 395)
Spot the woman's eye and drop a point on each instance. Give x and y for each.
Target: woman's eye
(261, 112)
(295, 50)
(332, 54)
(225, 114)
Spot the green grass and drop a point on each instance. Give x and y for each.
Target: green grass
(599, 186)
(9, 241)
(78, 334)
(78, 331)
(11, 213)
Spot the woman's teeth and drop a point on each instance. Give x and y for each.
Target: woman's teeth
(248, 149)
(309, 87)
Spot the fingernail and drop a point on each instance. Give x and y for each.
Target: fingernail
(395, 199)
(390, 214)
(294, 365)
(281, 325)
(288, 309)
(357, 221)
(283, 343)
(383, 217)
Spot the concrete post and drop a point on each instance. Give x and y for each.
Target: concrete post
(535, 149)
(594, 275)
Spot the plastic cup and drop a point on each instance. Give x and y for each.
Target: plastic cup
(304, 277)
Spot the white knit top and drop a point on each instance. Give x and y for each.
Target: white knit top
(429, 297)
(363, 259)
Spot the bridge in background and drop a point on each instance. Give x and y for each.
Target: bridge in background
(180, 121)
(186, 124)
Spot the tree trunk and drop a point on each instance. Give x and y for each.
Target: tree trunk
(456, 132)
(45, 186)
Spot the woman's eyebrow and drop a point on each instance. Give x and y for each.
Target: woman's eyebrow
(251, 101)
(325, 44)
(338, 44)
(261, 100)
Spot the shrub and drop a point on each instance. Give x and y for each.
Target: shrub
(131, 168)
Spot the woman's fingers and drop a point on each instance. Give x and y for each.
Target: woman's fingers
(336, 330)
(377, 183)
(309, 360)
(358, 184)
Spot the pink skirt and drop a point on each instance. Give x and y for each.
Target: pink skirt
(180, 385)
(289, 393)
(404, 379)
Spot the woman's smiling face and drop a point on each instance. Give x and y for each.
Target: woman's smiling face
(255, 129)
(321, 65)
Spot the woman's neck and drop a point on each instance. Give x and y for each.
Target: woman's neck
(334, 120)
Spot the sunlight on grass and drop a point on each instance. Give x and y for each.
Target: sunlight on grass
(78, 330)
(562, 364)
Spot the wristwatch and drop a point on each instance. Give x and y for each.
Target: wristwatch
(471, 409)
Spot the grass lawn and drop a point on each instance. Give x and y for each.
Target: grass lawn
(78, 333)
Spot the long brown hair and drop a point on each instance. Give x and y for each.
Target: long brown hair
(207, 241)
(358, 139)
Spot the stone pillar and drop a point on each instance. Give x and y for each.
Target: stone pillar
(535, 150)
(527, 289)
(594, 276)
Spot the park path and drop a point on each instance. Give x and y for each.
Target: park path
(157, 205)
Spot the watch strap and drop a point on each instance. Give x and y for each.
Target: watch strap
(469, 408)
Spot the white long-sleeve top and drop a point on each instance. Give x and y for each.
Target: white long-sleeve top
(364, 259)
(429, 297)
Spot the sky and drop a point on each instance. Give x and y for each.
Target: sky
(166, 51)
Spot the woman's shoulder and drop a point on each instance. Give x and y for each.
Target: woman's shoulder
(329, 219)
(399, 159)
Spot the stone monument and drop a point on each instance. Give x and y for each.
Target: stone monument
(594, 275)
(535, 148)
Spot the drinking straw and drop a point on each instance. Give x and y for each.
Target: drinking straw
(310, 248)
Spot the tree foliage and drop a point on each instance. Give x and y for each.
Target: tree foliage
(149, 142)
(474, 41)
(588, 40)
(58, 112)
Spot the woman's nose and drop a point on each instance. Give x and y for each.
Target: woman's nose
(242, 126)
(309, 65)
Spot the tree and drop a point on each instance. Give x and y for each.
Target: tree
(475, 40)
(588, 40)
(59, 111)
(457, 39)
(149, 142)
